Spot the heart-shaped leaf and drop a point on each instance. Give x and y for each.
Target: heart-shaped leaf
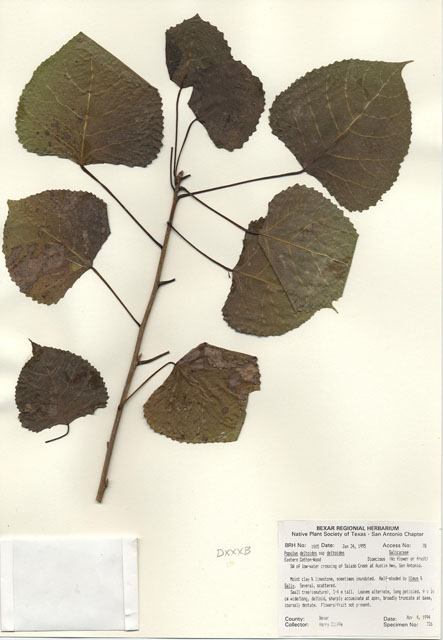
(204, 398)
(83, 104)
(192, 46)
(56, 387)
(349, 125)
(296, 263)
(228, 100)
(50, 240)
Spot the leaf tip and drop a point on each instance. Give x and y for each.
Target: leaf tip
(36, 348)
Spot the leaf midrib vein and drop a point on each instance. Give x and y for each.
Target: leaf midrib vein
(88, 104)
(355, 119)
(298, 246)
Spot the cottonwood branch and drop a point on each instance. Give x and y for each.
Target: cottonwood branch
(136, 353)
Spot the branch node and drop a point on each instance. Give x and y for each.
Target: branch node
(163, 282)
(160, 355)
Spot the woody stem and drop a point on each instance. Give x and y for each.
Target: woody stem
(135, 356)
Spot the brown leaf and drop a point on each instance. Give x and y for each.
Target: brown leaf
(204, 398)
(83, 104)
(257, 303)
(228, 100)
(192, 46)
(56, 387)
(50, 240)
(297, 264)
(349, 125)
(310, 244)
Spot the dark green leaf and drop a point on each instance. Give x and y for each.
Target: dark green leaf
(83, 104)
(204, 398)
(56, 387)
(228, 100)
(50, 240)
(349, 125)
(297, 264)
(192, 46)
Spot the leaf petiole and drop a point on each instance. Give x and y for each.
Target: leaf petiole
(59, 437)
(236, 184)
(199, 250)
(108, 190)
(147, 380)
(184, 143)
(218, 213)
(105, 282)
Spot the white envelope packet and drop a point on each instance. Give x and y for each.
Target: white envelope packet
(60, 584)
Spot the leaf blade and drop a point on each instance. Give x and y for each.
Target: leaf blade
(228, 101)
(193, 46)
(84, 105)
(57, 387)
(258, 306)
(349, 125)
(296, 263)
(50, 240)
(204, 398)
(310, 245)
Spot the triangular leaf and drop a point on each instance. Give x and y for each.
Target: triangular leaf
(51, 239)
(192, 46)
(204, 398)
(349, 125)
(56, 387)
(83, 104)
(297, 264)
(228, 100)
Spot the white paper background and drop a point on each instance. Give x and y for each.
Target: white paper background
(68, 583)
(347, 422)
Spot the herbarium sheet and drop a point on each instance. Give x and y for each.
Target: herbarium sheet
(323, 349)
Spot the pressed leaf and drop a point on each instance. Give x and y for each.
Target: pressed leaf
(50, 240)
(257, 303)
(228, 100)
(192, 46)
(349, 125)
(56, 387)
(297, 264)
(204, 398)
(310, 244)
(83, 104)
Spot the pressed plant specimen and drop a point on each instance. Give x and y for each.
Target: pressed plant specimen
(348, 124)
